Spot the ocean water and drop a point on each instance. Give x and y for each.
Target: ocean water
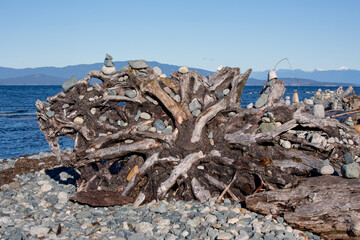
(19, 129)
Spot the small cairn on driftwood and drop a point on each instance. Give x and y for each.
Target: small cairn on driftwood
(140, 135)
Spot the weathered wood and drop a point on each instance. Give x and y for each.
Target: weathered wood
(326, 205)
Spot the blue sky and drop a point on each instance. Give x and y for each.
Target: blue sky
(204, 34)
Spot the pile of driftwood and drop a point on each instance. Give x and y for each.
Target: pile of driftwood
(140, 136)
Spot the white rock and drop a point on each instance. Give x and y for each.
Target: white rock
(226, 91)
(39, 231)
(157, 71)
(4, 220)
(144, 227)
(250, 105)
(278, 124)
(220, 67)
(327, 170)
(62, 197)
(93, 111)
(177, 98)
(78, 120)
(331, 140)
(211, 219)
(233, 220)
(163, 75)
(145, 115)
(46, 187)
(129, 141)
(183, 69)
(319, 111)
(286, 144)
(200, 167)
(351, 142)
(108, 70)
(89, 89)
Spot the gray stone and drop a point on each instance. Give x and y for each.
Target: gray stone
(286, 144)
(211, 135)
(145, 115)
(167, 130)
(144, 227)
(46, 104)
(157, 71)
(141, 74)
(219, 95)
(50, 114)
(161, 208)
(267, 127)
(225, 236)
(351, 170)
(318, 139)
(137, 236)
(108, 56)
(108, 70)
(142, 128)
(327, 170)
(183, 69)
(196, 112)
(65, 106)
(5, 203)
(159, 125)
(51, 199)
(194, 105)
(69, 84)
(130, 93)
(261, 100)
(138, 64)
(39, 231)
(242, 236)
(319, 111)
(348, 158)
(137, 116)
(326, 162)
(231, 114)
(102, 118)
(111, 92)
(177, 98)
(108, 63)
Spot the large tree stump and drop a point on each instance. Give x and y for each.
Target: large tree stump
(203, 137)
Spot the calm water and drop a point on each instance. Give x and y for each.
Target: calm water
(19, 130)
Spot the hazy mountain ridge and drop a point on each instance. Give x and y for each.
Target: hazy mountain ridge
(57, 75)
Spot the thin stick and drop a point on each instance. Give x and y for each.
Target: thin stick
(219, 200)
(346, 113)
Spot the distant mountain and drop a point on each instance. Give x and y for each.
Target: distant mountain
(57, 75)
(81, 70)
(337, 76)
(34, 79)
(298, 82)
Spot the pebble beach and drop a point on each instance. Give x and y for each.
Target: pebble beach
(37, 206)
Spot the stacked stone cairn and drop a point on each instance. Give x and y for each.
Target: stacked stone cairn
(109, 67)
(295, 98)
(350, 169)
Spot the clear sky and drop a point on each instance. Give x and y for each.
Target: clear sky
(205, 34)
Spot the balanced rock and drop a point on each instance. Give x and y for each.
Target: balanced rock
(108, 70)
(348, 158)
(319, 111)
(69, 84)
(183, 69)
(327, 170)
(138, 64)
(287, 101)
(295, 98)
(157, 71)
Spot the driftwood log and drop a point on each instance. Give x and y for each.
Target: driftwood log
(208, 143)
(327, 205)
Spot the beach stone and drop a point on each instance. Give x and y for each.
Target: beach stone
(210, 218)
(327, 170)
(46, 104)
(62, 197)
(196, 112)
(309, 102)
(326, 162)
(144, 227)
(159, 124)
(224, 236)
(69, 84)
(219, 95)
(295, 98)
(267, 127)
(39, 231)
(14, 185)
(64, 106)
(112, 92)
(286, 144)
(261, 100)
(46, 187)
(167, 130)
(137, 236)
(108, 70)
(226, 91)
(348, 158)
(157, 71)
(78, 120)
(266, 119)
(183, 69)
(194, 105)
(50, 114)
(138, 64)
(177, 98)
(250, 105)
(130, 93)
(137, 116)
(108, 63)
(145, 115)
(318, 139)
(142, 128)
(102, 118)
(242, 236)
(319, 111)
(211, 135)
(163, 75)
(93, 111)
(212, 142)
(351, 170)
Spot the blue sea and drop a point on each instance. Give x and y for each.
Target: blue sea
(19, 129)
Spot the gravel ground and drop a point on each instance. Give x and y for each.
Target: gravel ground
(36, 206)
